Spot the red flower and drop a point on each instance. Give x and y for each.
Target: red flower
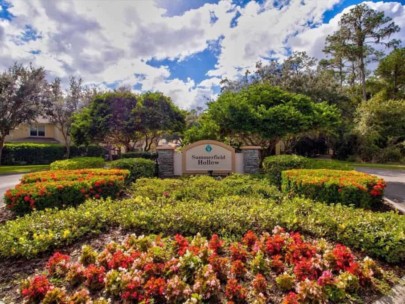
(97, 196)
(326, 279)
(344, 257)
(274, 244)
(291, 298)
(249, 239)
(58, 264)
(37, 289)
(119, 259)
(155, 287)
(94, 277)
(234, 291)
(215, 243)
(181, 243)
(238, 252)
(238, 268)
(259, 283)
(26, 198)
(305, 270)
(277, 264)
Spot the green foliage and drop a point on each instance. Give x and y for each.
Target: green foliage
(227, 216)
(261, 115)
(64, 188)
(146, 155)
(274, 165)
(391, 70)
(78, 163)
(205, 188)
(32, 153)
(138, 167)
(335, 186)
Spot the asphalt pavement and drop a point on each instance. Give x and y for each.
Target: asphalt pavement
(395, 179)
(6, 182)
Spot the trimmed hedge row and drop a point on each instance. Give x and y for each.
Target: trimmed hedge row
(146, 155)
(274, 165)
(78, 163)
(377, 234)
(33, 154)
(26, 197)
(138, 167)
(335, 186)
(65, 175)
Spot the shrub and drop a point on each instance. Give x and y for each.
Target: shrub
(151, 269)
(147, 155)
(35, 154)
(31, 154)
(138, 167)
(205, 188)
(78, 163)
(55, 192)
(69, 175)
(229, 216)
(335, 186)
(274, 165)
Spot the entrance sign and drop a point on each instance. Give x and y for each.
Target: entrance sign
(208, 155)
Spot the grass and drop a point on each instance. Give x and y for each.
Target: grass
(5, 170)
(351, 165)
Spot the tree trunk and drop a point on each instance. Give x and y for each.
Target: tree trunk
(1, 147)
(363, 77)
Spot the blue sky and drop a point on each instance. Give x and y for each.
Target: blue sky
(182, 48)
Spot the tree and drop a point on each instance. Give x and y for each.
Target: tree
(391, 71)
(359, 30)
(22, 97)
(262, 115)
(155, 115)
(63, 105)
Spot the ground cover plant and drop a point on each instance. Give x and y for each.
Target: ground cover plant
(78, 163)
(271, 267)
(229, 213)
(335, 186)
(52, 189)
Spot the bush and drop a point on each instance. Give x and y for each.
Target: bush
(78, 163)
(36, 154)
(335, 186)
(151, 269)
(31, 154)
(274, 165)
(389, 154)
(147, 155)
(205, 188)
(229, 216)
(51, 190)
(138, 167)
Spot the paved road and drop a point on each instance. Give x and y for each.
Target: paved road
(395, 179)
(6, 182)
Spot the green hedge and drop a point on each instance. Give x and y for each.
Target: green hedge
(274, 165)
(335, 186)
(33, 154)
(376, 234)
(78, 163)
(147, 155)
(52, 191)
(138, 167)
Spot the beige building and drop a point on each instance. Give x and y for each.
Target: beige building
(41, 131)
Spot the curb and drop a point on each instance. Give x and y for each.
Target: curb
(395, 296)
(395, 205)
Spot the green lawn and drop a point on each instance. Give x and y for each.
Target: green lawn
(380, 166)
(338, 163)
(22, 169)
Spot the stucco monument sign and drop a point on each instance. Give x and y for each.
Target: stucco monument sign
(208, 156)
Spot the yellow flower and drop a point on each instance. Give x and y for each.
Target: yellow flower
(66, 233)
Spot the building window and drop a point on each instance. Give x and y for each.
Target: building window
(37, 130)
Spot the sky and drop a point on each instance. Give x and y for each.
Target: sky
(182, 48)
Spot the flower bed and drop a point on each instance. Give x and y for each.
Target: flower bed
(229, 216)
(335, 186)
(65, 175)
(278, 267)
(59, 189)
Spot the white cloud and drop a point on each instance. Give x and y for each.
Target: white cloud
(108, 42)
